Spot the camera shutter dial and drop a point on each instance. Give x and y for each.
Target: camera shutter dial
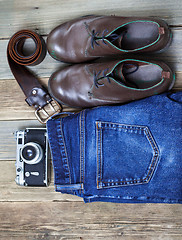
(31, 153)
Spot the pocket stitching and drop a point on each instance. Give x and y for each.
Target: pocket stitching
(152, 143)
(156, 152)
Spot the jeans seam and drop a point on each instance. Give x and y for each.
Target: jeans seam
(153, 161)
(97, 142)
(66, 156)
(133, 197)
(82, 147)
(99, 166)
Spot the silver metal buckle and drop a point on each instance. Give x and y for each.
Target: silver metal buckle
(44, 113)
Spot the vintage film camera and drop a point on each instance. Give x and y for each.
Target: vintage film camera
(33, 157)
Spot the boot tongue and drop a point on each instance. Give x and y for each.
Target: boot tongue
(115, 39)
(117, 74)
(120, 74)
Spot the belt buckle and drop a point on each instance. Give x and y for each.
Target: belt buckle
(43, 114)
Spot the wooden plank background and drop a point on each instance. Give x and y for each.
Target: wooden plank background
(41, 213)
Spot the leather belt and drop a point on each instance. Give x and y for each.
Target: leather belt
(36, 95)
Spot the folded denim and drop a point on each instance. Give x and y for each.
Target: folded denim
(127, 153)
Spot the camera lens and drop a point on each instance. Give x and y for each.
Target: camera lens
(31, 153)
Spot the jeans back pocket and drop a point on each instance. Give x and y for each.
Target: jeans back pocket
(126, 154)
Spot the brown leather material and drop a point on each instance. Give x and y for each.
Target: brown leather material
(90, 37)
(36, 95)
(120, 81)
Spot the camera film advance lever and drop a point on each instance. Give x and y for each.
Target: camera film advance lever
(36, 95)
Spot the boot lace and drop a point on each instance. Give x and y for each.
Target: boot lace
(97, 78)
(95, 37)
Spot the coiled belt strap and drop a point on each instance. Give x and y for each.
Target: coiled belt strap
(36, 95)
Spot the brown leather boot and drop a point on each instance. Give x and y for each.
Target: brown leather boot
(91, 37)
(88, 85)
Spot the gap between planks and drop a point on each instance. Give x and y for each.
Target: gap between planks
(176, 27)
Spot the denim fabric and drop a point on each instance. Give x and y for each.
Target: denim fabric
(128, 153)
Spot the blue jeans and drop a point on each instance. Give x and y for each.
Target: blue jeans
(127, 153)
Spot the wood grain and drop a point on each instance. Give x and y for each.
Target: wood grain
(13, 105)
(90, 221)
(44, 15)
(44, 69)
(8, 138)
(15, 108)
(172, 56)
(11, 192)
(41, 213)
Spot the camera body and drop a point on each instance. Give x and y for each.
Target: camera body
(32, 158)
